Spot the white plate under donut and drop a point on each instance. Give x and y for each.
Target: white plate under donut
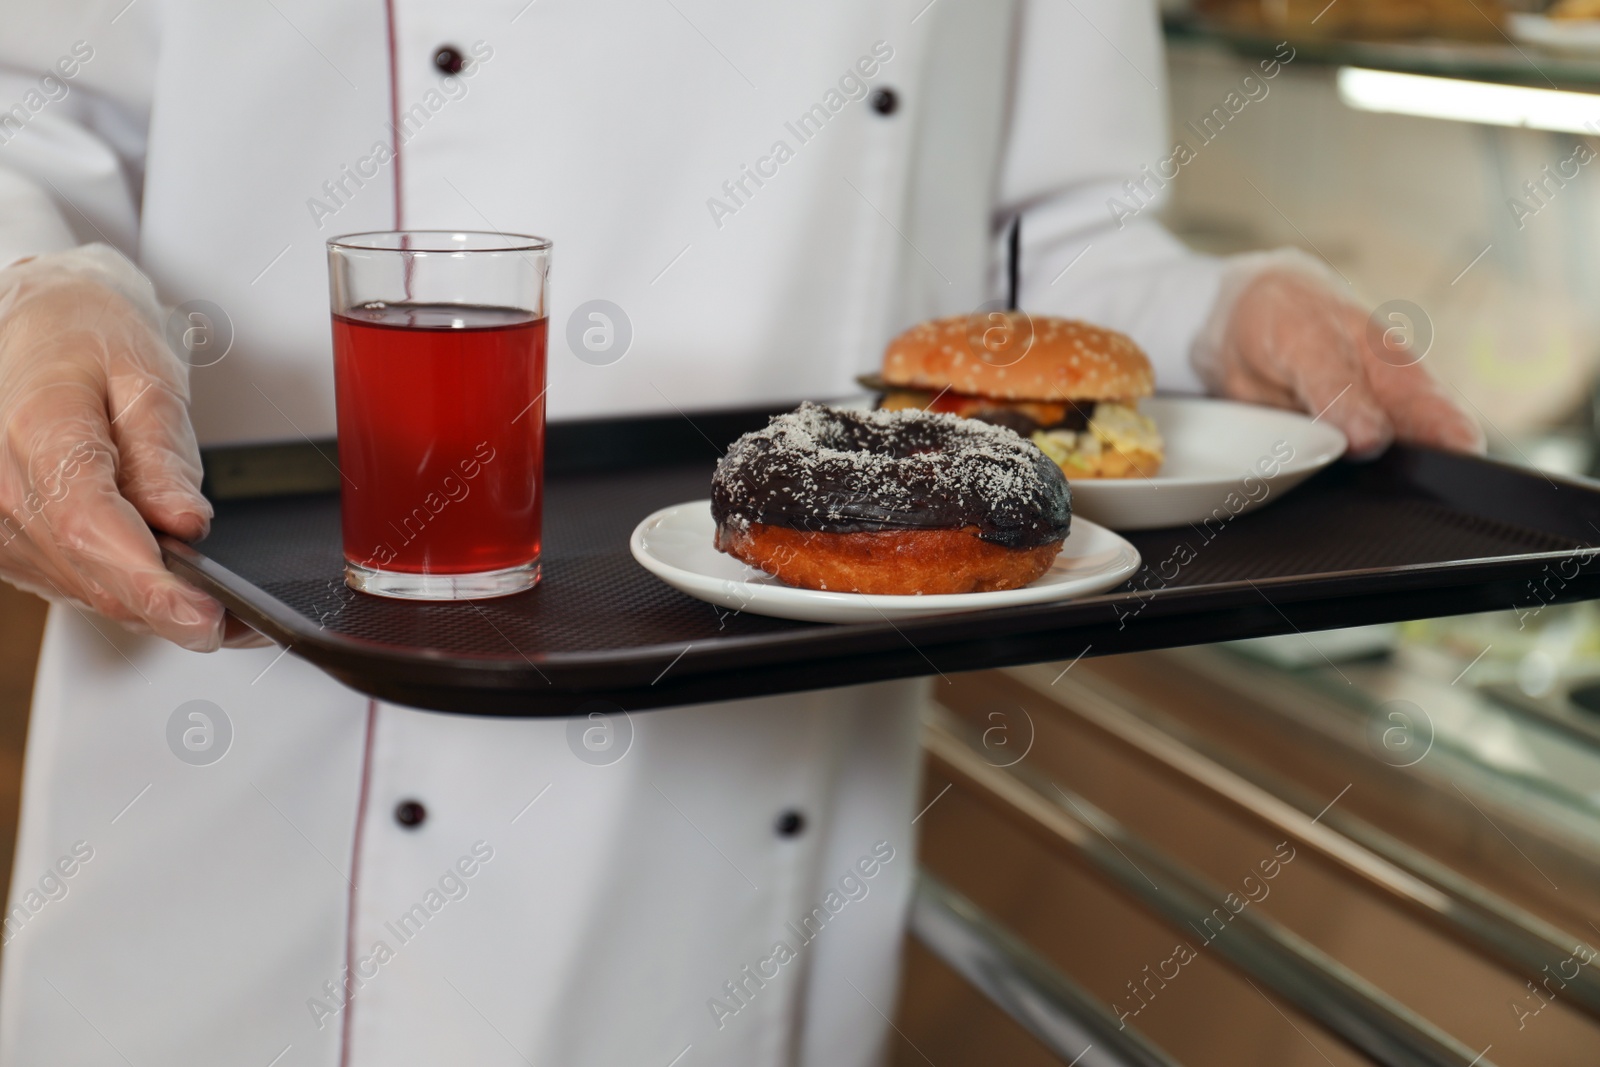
(675, 545)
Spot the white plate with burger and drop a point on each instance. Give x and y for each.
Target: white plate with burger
(1082, 394)
(677, 545)
(1223, 459)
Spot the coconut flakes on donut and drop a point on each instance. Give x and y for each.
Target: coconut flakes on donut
(829, 470)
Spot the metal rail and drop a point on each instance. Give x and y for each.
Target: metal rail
(1576, 724)
(1023, 984)
(1522, 943)
(1358, 1013)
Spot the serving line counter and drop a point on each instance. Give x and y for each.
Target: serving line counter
(1421, 889)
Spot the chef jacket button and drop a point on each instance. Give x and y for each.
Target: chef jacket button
(449, 59)
(791, 824)
(885, 101)
(410, 814)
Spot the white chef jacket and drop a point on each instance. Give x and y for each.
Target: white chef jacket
(546, 910)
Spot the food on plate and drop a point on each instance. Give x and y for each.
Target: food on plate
(1072, 388)
(893, 502)
(1575, 9)
(1453, 19)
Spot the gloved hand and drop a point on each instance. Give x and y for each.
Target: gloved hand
(1286, 335)
(97, 443)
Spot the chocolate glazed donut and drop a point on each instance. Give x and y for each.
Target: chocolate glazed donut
(890, 502)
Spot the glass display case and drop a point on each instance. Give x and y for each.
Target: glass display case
(1373, 846)
(1498, 55)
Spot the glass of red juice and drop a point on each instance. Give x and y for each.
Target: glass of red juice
(439, 375)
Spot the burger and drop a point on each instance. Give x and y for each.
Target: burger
(1071, 388)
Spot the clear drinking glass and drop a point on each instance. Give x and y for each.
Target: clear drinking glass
(439, 370)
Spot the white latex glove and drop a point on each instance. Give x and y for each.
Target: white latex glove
(1286, 334)
(97, 444)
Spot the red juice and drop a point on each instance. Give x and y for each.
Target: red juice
(441, 436)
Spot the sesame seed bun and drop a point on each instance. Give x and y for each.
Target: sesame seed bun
(1010, 355)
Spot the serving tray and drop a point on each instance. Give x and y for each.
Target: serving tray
(1417, 534)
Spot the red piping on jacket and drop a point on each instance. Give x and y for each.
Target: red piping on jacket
(394, 111)
(355, 872)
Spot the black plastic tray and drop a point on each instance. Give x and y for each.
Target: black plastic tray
(1417, 534)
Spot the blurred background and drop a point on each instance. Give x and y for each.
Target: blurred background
(1444, 154)
(1403, 205)
(1437, 784)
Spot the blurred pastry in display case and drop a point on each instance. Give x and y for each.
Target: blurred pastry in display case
(1574, 9)
(1458, 19)
(1568, 26)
